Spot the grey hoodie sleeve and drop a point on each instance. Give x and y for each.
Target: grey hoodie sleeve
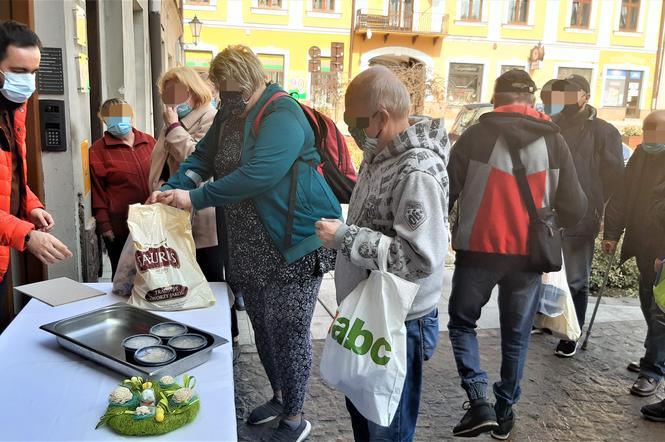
(419, 248)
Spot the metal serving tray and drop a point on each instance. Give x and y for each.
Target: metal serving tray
(97, 335)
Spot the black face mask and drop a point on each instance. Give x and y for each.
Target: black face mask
(232, 102)
(571, 109)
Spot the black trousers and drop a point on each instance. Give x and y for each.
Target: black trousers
(114, 249)
(212, 262)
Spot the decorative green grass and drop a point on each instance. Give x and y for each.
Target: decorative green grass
(127, 425)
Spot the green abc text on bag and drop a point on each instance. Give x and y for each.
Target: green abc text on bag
(365, 351)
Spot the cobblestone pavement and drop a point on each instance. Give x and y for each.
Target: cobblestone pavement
(584, 398)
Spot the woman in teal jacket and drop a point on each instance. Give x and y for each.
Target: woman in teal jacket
(275, 260)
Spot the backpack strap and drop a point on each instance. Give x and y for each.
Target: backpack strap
(519, 171)
(259, 116)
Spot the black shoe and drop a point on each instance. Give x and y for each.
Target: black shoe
(265, 413)
(479, 418)
(566, 349)
(506, 422)
(654, 412)
(284, 433)
(634, 367)
(644, 386)
(240, 303)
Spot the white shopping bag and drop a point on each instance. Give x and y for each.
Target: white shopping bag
(557, 311)
(365, 351)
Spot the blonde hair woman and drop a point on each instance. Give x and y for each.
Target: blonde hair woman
(275, 258)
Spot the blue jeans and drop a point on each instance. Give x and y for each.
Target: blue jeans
(422, 335)
(518, 303)
(653, 362)
(578, 256)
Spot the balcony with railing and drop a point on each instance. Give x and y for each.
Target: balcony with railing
(414, 24)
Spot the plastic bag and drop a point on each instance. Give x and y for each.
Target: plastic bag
(168, 276)
(563, 325)
(365, 351)
(123, 280)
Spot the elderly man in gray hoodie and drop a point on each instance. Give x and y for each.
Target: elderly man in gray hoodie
(402, 193)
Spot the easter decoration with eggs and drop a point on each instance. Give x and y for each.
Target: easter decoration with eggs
(145, 408)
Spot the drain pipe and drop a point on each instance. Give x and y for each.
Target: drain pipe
(353, 37)
(155, 33)
(659, 59)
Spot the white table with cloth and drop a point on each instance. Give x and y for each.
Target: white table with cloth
(52, 394)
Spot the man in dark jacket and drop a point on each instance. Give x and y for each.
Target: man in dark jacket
(632, 210)
(598, 156)
(490, 239)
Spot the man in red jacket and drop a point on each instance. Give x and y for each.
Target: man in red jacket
(24, 224)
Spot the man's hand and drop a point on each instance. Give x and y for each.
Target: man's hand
(608, 246)
(108, 235)
(41, 219)
(326, 229)
(170, 115)
(657, 265)
(47, 248)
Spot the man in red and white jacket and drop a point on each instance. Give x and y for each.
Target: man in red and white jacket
(490, 239)
(24, 224)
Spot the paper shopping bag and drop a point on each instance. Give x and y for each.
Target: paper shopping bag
(167, 274)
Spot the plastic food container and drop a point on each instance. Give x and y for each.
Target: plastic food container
(167, 330)
(133, 343)
(187, 344)
(154, 355)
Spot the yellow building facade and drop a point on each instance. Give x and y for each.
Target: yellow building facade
(280, 32)
(463, 44)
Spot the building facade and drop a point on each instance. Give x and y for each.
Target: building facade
(282, 34)
(462, 44)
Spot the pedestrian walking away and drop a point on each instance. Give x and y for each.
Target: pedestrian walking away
(491, 235)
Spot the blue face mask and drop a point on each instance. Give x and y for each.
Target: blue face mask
(119, 126)
(18, 87)
(183, 109)
(553, 109)
(653, 147)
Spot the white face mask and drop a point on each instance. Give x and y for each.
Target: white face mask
(18, 87)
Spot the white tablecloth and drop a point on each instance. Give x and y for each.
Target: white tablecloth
(51, 394)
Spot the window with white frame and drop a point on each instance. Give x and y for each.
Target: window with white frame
(509, 67)
(323, 5)
(471, 10)
(270, 4)
(464, 83)
(630, 14)
(580, 16)
(273, 65)
(622, 88)
(518, 11)
(565, 72)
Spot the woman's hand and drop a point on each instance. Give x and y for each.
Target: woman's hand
(176, 198)
(657, 265)
(159, 197)
(326, 229)
(41, 219)
(170, 115)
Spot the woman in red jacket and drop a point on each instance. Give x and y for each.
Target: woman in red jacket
(119, 167)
